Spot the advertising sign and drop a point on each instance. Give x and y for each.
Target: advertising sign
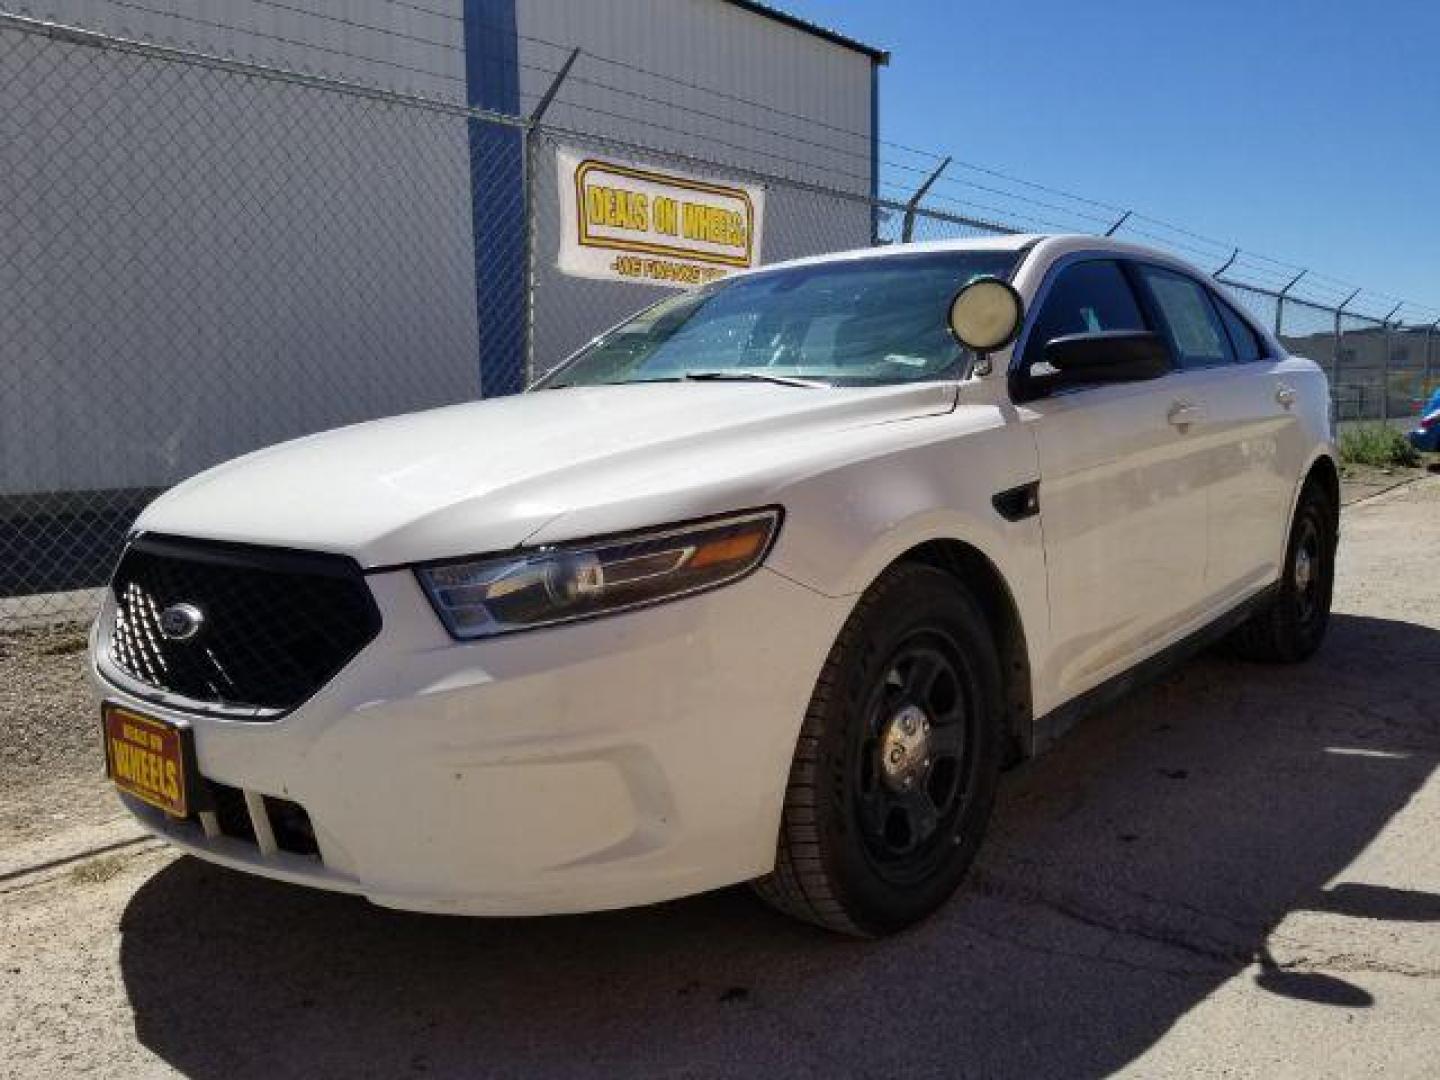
(620, 221)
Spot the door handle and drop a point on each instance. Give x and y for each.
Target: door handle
(1185, 413)
(1285, 395)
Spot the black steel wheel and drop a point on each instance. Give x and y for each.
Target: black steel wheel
(914, 766)
(1307, 571)
(1292, 624)
(895, 767)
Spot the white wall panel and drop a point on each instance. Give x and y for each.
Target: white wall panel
(811, 119)
(737, 88)
(273, 260)
(199, 263)
(381, 42)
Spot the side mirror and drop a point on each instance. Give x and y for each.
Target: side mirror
(1107, 356)
(986, 314)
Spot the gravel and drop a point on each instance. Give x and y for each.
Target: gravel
(50, 756)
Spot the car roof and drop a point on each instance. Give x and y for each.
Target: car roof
(1053, 244)
(1047, 246)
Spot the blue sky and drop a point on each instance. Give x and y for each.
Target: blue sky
(1306, 131)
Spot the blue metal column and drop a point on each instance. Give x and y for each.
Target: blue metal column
(497, 193)
(874, 153)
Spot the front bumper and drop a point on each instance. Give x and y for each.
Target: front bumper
(603, 764)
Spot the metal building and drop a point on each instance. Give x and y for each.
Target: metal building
(721, 81)
(201, 262)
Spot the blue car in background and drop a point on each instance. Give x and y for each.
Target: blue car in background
(1426, 435)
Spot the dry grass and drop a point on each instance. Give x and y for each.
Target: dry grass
(97, 871)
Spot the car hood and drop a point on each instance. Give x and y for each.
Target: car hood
(488, 475)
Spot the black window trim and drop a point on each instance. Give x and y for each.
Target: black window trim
(1267, 353)
(1157, 317)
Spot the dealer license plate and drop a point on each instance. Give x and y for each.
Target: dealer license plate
(145, 757)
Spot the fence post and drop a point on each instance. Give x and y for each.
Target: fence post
(532, 134)
(1385, 372)
(1335, 371)
(1280, 300)
(1429, 341)
(907, 227)
(1339, 349)
(1385, 366)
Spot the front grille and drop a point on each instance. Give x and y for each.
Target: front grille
(275, 625)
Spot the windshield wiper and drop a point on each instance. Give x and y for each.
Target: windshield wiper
(753, 376)
(622, 382)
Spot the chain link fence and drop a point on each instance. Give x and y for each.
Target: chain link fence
(202, 256)
(1379, 370)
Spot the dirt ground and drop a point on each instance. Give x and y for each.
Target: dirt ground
(1360, 482)
(49, 756)
(1232, 874)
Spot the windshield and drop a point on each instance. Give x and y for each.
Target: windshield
(864, 322)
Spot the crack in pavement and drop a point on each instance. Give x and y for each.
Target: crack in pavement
(1215, 951)
(993, 934)
(30, 877)
(1354, 963)
(1218, 952)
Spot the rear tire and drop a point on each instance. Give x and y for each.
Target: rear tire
(895, 769)
(1290, 627)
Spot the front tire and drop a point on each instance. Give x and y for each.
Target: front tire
(1290, 627)
(895, 769)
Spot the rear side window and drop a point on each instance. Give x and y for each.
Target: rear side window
(1086, 297)
(1197, 337)
(1243, 340)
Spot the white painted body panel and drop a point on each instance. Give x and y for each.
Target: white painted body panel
(558, 465)
(644, 755)
(1123, 509)
(551, 771)
(1260, 448)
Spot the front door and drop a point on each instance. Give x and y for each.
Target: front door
(1122, 491)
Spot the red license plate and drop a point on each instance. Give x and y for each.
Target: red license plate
(145, 757)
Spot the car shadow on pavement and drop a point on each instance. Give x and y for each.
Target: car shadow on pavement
(1149, 857)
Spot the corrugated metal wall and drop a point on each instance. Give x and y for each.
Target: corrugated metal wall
(737, 56)
(416, 47)
(227, 262)
(238, 241)
(733, 86)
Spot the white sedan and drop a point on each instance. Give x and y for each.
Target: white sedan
(766, 584)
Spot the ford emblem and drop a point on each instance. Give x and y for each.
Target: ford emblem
(181, 622)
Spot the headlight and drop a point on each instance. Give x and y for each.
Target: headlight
(480, 597)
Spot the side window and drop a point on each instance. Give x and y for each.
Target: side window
(1085, 297)
(1243, 340)
(1197, 337)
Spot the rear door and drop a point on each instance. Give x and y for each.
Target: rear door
(1122, 498)
(1260, 451)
